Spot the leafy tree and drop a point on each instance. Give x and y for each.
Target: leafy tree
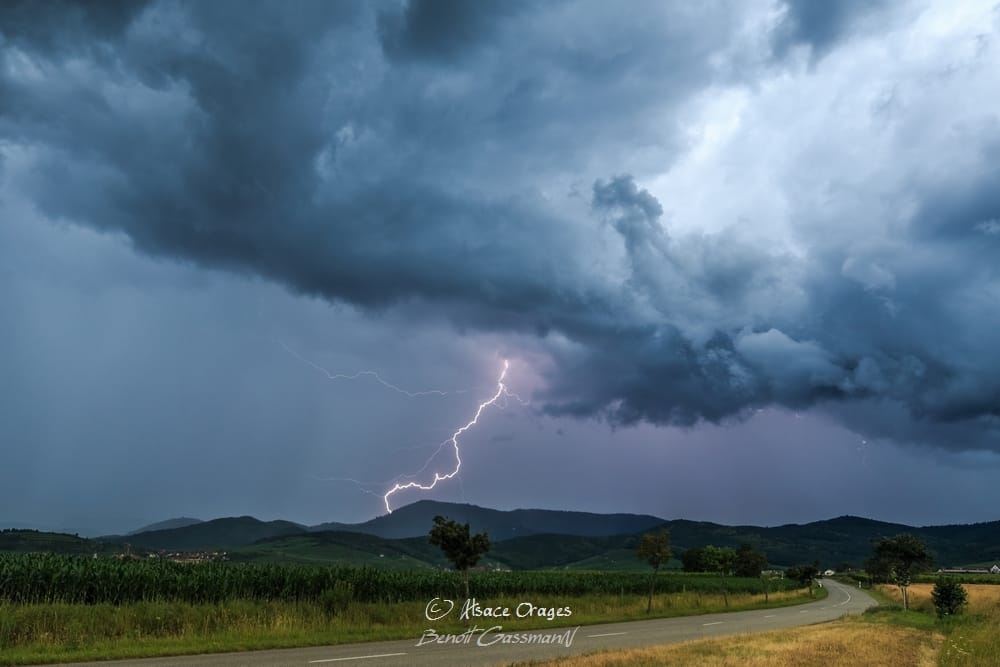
(879, 571)
(710, 558)
(725, 560)
(897, 559)
(654, 548)
(713, 559)
(693, 560)
(749, 562)
(721, 560)
(461, 548)
(949, 597)
(804, 574)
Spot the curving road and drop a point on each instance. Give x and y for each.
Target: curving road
(584, 639)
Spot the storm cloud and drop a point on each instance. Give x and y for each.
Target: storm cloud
(690, 221)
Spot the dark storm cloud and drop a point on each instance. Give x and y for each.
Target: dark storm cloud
(422, 155)
(67, 24)
(655, 372)
(251, 161)
(819, 25)
(440, 29)
(962, 211)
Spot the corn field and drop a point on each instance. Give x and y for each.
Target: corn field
(50, 578)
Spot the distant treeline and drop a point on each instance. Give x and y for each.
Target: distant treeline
(27, 540)
(48, 578)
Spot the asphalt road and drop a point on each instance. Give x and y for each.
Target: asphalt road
(583, 639)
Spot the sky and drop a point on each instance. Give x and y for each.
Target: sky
(743, 259)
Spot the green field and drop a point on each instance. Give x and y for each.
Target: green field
(47, 578)
(59, 608)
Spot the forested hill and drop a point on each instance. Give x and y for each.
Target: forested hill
(414, 521)
(526, 538)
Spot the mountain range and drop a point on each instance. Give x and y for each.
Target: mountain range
(524, 539)
(415, 520)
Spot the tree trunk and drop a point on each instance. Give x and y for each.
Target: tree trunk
(652, 584)
(465, 577)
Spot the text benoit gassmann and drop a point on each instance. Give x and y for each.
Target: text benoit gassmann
(440, 608)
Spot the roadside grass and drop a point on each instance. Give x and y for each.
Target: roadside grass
(971, 638)
(847, 642)
(883, 635)
(45, 633)
(889, 611)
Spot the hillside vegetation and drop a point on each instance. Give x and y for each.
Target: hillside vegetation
(524, 539)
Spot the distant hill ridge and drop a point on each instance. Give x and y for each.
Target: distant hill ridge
(225, 533)
(414, 521)
(179, 522)
(535, 538)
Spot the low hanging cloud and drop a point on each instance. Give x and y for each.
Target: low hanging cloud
(495, 164)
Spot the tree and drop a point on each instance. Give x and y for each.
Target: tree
(461, 548)
(897, 559)
(654, 548)
(725, 560)
(693, 560)
(949, 597)
(716, 559)
(879, 571)
(749, 562)
(804, 574)
(721, 560)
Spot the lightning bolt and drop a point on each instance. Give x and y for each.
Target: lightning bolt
(453, 441)
(499, 399)
(378, 378)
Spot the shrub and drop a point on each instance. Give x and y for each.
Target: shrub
(949, 597)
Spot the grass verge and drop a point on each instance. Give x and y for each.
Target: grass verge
(847, 642)
(883, 635)
(970, 639)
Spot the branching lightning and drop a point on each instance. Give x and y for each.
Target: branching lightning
(453, 441)
(498, 399)
(378, 378)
